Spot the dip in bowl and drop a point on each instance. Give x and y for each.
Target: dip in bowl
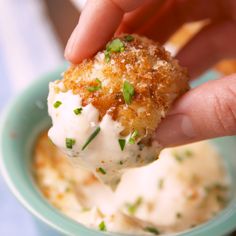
(27, 117)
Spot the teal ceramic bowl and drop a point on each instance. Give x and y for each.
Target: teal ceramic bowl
(25, 118)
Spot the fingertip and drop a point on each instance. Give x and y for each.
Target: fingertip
(91, 35)
(71, 57)
(207, 111)
(175, 130)
(70, 52)
(79, 47)
(77, 56)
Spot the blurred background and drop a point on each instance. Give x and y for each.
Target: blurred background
(33, 34)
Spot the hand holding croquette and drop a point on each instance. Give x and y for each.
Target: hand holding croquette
(106, 109)
(205, 112)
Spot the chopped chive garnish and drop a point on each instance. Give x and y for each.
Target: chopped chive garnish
(115, 45)
(129, 38)
(161, 183)
(107, 56)
(132, 208)
(91, 137)
(78, 111)
(178, 215)
(152, 230)
(85, 209)
(188, 153)
(178, 157)
(122, 144)
(128, 92)
(68, 189)
(102, 226)
(57, 104)
(133, 137)
(121, 162)
(101, 170)
(95, 88)
(70, 142)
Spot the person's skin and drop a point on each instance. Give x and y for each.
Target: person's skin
(204, 112)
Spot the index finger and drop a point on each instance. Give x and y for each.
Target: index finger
(98, 22)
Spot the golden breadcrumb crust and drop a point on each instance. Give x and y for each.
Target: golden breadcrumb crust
(156, 77)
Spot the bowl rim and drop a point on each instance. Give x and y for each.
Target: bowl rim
(3, 169)
(223, 223)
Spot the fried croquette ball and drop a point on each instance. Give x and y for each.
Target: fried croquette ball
(106, 109)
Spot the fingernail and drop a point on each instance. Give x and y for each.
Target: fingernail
(174, 130)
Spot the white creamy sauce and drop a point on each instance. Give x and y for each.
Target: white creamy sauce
(182, 188)
(172, 194)
(103, 155)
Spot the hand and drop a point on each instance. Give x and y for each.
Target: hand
(205, 112)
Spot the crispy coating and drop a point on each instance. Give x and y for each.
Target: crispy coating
(156, 77)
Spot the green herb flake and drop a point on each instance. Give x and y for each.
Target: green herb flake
(178, 158)
(68, 189)
(188, 153)
(129, 38)
(115, 45)
(78, 111)
(70, 142)
(161, 183)
(122, 144)
(133, 137)
(132, 208)
(95, 88)
(85, 209)
(50, 141)
(101, 170)
(91, 137)
(128, 92)
(178, 215)
(152, 230)
(121, 162)
(102, 226)
(107, 56)
(57, 104)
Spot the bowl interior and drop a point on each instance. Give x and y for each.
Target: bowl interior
(27, 117)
